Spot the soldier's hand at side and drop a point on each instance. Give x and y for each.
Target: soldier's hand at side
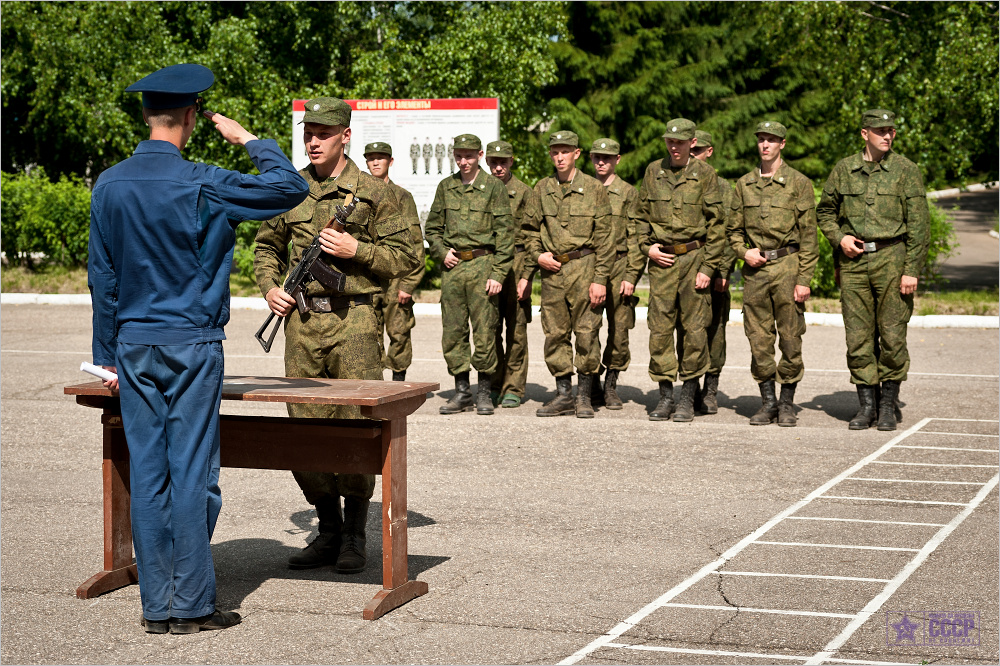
(702, 281)
(661, 259)
(338, 243)
(627, 289)
(598, 292)
(493, 287)
(720, 284)
(801, 293)
(111, 383)
(451, 259)
(404, 298)
(230, 130)
(754, 258)
(851, 246)
(523, 289)
(907, 285)
(548, 262)
(280, 302)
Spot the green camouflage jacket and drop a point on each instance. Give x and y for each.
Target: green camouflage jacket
(524, 204)
(468, 217)
(770, 213)
(408, 209)
(728, 262)
(622, 197)
(877, 201)
(385, 249)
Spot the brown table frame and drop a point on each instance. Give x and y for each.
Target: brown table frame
(261, 442)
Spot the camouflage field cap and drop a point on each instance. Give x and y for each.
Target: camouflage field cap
(704, 139)
(328, 111)
(499, 149)
(468, 142)
(564, 138)
(605, 147)
(771, 127)
(378, 147)
(680, 128)
(878, 118)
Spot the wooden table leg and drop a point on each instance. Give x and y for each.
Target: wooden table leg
(397, 589)
(119, 570)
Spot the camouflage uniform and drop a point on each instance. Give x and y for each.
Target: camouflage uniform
(343, 344)
(470, 217)
(415, 155)
(451, 156)
(428, 154)
(770, 214)
(512, 370)
(439, 156)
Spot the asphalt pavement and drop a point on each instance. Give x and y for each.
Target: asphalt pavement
(611, 540)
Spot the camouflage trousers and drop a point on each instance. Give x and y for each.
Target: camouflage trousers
(512, 367)
(396, 320)
(716, 331)
(621, 319)
(870, 299)
(769, 304)
(566, 312)
(673, 302)
(464, 299)
(333, 345)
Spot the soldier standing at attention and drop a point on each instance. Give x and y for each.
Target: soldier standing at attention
(625, 272)
(874, 213)
(451, 156)
(573, 246)
(337, 336)
(772, 227)
(469, 232)
(415, 154)
(515, 296)
(439, 155)
(395, 306)
(428, 154)
(161, 244)
(679, 224)
(707, 400)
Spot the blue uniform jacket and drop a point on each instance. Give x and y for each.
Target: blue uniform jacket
(162, 237)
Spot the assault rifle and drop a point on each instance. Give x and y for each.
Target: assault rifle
(309, 268)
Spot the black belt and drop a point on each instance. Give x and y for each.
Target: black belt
(575, 254)
(771, 255)
(875, 246)
(334, 303)
(469, 255)
(682, 248)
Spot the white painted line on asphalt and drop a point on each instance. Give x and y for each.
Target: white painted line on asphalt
(711, 567)
(788, 575)
(714, 653)
(951, 483)
(872, 663)
(861, 520)
(831, 545)
(947, 448)
(875, 604)
(894, 462)
(956, 434)
(941, 418)
(744, 609)
(897, 501)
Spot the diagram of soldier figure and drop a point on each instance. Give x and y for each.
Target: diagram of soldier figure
(451, 154)
(439, 155)
(428, 154)
(415, 154)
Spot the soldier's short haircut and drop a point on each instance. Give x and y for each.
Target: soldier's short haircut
(165, 118)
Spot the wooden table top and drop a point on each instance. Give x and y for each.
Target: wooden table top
(297, 390)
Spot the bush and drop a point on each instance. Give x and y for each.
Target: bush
(243, 255)
(42, 221)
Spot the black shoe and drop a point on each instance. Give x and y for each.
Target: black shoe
(584, 387)
(217, 620)
(154, 626)
(708, 401)
(887, 410)
(868, 413)
(768, 412)
(462, 400)
(786, 406)
(321, 551)
(484, 402)
(685, 405)
(665, 407)
(352, 557)
(563, 404)
(611, 399)
(399, 376)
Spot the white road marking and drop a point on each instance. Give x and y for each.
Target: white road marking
(948, 448)
(714, 653)
(832, 545)
(953, 483)
(893, 462)
(896, 501)
(744, 609)
(788, 575)
(861, 520)
(958, 434)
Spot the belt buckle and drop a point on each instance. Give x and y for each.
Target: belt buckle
(321, 303)
(770, 255)
(870, 246)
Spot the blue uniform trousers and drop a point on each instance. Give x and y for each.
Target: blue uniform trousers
(170, 396)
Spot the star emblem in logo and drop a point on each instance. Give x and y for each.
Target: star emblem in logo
(315, 107)
(905, 629)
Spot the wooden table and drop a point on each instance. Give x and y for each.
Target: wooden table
(355, 446)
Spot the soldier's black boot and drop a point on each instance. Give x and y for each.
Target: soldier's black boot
(867, 414)
(768, 411)
(563, 404)
(462, 400)
(325, 548)
(611, 399)
(685, 406)
(484, 403)
(665, 407)
(786, 406)
(709, 395)
(352, 550)
(399, 376)
(887, 411)
(584, 409)
(596, 393)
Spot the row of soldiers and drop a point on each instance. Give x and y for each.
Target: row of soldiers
(428, 151)
(591, 239)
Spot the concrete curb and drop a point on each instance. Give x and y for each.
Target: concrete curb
(954, 191)
(434, 310)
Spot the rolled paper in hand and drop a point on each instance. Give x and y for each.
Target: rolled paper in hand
(98, 371)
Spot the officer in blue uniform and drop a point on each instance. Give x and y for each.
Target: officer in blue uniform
(161, 248)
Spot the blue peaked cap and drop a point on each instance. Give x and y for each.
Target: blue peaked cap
(173, 87)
